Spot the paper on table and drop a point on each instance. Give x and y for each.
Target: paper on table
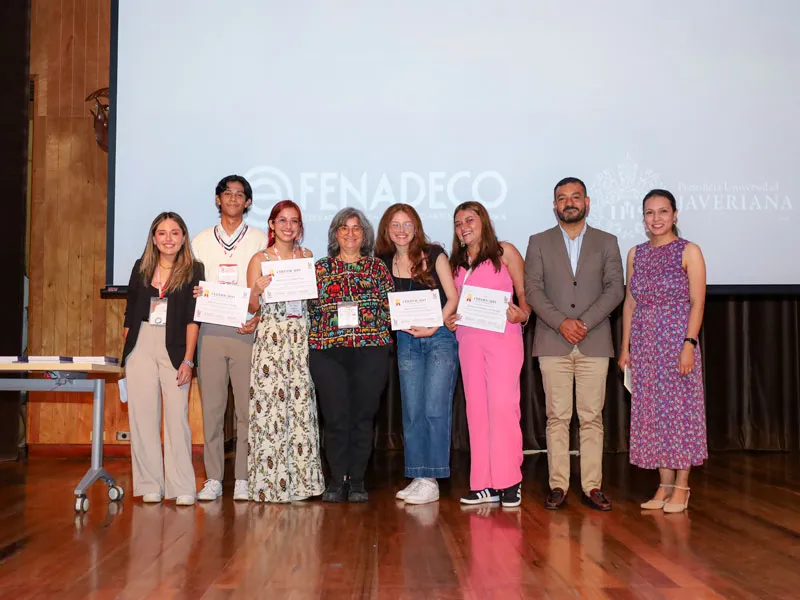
(628, 379)
(123, 390)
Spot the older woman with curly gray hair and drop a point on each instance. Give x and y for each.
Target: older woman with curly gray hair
(349, 338)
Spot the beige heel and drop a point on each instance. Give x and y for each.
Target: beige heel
(678, 508)
(653, 504)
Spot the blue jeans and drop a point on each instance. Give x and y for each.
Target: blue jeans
(428, 370)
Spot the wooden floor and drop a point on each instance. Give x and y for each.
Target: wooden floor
(740, 539)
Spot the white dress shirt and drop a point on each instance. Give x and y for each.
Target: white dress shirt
(574, 247)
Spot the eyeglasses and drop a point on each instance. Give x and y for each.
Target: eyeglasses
(283, 222)
(354, 230)
(228, 194)
(408, 226)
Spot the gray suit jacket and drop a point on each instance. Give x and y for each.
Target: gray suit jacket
(556, 294)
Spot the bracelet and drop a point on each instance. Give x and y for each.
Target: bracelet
(692, 341)
(189, 363)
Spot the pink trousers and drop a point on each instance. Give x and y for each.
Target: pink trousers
(490, 368)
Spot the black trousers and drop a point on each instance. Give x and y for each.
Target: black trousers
(349, 383)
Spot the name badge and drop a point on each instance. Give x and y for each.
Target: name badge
(347, 313)
(158, 312)
(294, 309)
(228, 274)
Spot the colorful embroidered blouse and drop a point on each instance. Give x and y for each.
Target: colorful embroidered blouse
(366, 282)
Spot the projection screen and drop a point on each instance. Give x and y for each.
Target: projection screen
(434, 103)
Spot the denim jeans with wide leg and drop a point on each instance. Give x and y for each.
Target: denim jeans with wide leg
(428, 370)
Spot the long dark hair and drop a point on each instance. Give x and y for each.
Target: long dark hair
(183, 270)
(418, 249)
(662, 194)
(490, 248)
(276, 210)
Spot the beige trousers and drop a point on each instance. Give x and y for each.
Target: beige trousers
(151, 380)
(588, 373)
(224, 355)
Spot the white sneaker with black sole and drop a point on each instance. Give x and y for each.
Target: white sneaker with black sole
(484, 496)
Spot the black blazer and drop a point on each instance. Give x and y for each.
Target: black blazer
(180, 312)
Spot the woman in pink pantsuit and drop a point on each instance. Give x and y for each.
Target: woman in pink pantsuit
(490, 362)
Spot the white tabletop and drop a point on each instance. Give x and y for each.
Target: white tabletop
(59, 366)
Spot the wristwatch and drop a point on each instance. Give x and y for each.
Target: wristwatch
(692, 341)
(189, 363)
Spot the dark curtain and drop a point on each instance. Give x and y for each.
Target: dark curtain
(14, 97)
(751, 362)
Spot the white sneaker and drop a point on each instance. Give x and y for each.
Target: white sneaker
(401, 495)
(425, 491)
(184, 500)
(151, 498)
(240, 491)
(212, 489)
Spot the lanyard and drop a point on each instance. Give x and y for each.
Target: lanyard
(278, 256)
(162, 285)
(228, 248)
(469, 271)
(396, 263)
(294, 308)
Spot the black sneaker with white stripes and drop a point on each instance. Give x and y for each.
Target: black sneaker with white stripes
(485, 496)
(511, 496)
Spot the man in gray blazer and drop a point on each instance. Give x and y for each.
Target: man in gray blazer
(573, 281)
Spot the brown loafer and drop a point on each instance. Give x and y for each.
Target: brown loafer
(556, 499)
(597, 500)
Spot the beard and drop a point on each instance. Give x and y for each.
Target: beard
(572, 216)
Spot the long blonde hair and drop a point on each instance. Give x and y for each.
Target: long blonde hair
(183, 270)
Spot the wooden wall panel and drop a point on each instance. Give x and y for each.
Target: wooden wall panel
(70, 53)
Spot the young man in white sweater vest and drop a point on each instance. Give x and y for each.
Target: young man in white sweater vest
(224, 352)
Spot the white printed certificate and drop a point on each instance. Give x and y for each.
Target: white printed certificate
(483, 308)
(222, 304)
(418, 308)
(294, 279)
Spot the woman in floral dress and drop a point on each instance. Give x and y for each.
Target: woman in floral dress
(662, 315)
(283, 459)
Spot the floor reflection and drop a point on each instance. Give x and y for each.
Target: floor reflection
(738, 539)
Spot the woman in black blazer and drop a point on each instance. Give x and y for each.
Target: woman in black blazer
(160, 339)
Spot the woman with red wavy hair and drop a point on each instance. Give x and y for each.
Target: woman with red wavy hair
(283, 458)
